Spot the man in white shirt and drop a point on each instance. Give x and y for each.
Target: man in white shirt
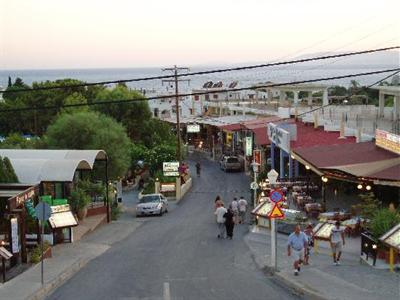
(297, 243)
(220, 212)
(242, 209)
(235, 209)
(337, 242)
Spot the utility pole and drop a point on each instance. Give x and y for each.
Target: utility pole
(175, 70)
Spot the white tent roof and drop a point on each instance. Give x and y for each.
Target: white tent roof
(89, 155)
(37, 170)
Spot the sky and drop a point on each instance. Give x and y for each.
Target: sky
(48, 34)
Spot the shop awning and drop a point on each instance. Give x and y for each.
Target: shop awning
(62, 217)
(88, 155)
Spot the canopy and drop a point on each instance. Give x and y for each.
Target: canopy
(89, 155)
(33, 171)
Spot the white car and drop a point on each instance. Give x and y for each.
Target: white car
(152, 204)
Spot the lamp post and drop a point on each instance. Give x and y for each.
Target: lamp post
(272, 177)
(324, 181)
(255, 166)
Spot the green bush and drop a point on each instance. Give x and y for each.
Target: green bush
(79, 199)
(149, 188)
(37, 252)
(115, 212)
(383, 220)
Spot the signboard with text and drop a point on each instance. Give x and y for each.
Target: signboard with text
(280, 137)
(388, 141)
(14, 235)
(249, 146)
(192, 128)
(171, 168)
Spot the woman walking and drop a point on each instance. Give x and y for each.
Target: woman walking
(229, 222)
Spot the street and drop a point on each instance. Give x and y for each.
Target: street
(178, 256)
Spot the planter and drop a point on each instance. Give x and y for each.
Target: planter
(82, 213)
(46, 254)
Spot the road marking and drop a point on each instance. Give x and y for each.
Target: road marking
(166, 292)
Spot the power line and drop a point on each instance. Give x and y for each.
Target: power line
(200, 93)
(249, 67)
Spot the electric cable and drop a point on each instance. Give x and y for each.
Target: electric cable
(91, 103)
(248, 67)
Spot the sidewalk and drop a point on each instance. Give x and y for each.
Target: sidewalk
(66, 261)
(321, 279)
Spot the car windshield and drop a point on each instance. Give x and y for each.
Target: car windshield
(232, 160)
(151, 198)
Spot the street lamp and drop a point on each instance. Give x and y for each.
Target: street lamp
(324, 181)
(255, 166)
(272, 177)
(368, 187)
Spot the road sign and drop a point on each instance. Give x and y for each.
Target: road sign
(254, 185)
(276, 213)
(276, 196)
(43, 211)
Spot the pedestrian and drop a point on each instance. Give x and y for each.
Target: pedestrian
(242, 209)
(337, 242)
(229, 222)
(218, 202)
(297, 243)
(220, 212)
(235, 210)
(198, 168)
(310, 236)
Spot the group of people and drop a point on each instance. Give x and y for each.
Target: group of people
(227, 217)
(300, 243)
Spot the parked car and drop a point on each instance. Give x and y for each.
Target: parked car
(231, 163)
(152, 204)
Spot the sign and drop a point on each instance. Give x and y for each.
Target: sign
(254, 185)
(276, 196)
(387, 140)
(29, 208)
(257, 156)
(249, 145)
(21, 198)
(4, 253)
(276, 213)
(14, 235)
(279, 136)
(43, 211)
(192, 128)
(60, 208)
(171, 169)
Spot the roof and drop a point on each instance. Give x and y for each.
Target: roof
(362, 160)
(308, 136)
(347, 154)
(38, 170)
(34, 166)
(89, 155)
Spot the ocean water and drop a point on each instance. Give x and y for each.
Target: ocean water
(245, 78)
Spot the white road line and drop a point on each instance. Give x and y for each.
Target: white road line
(166, 292)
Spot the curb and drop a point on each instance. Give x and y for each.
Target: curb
(297, 288)
(48, 288)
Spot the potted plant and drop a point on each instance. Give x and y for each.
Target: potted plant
(36, 255)
(382, 221)
(79, 200)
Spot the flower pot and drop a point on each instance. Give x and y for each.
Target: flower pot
(82, 213)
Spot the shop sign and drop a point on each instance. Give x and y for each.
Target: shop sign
(257, 156)
(171, 168)
(14, 235)
(60, 208)
(388, 141)
(192, 128)
(20, 199)
(280, 137)
(249, 145)
(29, 208)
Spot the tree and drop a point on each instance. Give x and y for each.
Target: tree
(75, 98)
(156, 132)
(11, 176)
(91, 130)
(131, 114)
(17, 141)
(9, 82)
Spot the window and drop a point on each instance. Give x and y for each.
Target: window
(215, 96)
(207, 96)
(196, 97)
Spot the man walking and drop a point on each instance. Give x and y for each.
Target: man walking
(297, 243)
(242, 209)
(337, 242)
(220, 212)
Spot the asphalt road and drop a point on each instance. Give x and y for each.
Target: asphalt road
(178, 256)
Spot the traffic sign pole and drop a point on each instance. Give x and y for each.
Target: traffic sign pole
(274, 261)
(43, 213)
(276, 196)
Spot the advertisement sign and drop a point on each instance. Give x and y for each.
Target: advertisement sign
(192, 128)
(387, 140)
(249, 145)
(257, 156)
(14, 235)
(171, 168)
(279, 136)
